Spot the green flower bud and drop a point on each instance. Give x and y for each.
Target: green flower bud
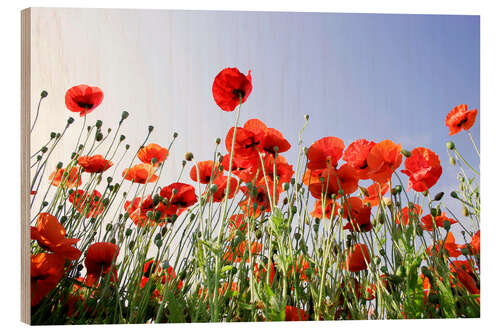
(71, 120)
(150, 128)
(450, 145)
(406, 153)
(122, 137)
(98, 123)
(44, 94)
(454, 194)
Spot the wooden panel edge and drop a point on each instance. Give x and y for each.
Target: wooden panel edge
(25, 170)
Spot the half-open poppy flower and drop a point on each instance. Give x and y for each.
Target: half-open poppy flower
(293, 313)
(51, 235)
(46, 271)
(406, 215)
(375, 193)
(358, 214)
(208, 170)
(246, 143)
(383, 159)
(476, 243)
(424, 169)
(324, 153)
(180, 197)
(152, 151)
(460, 118)
(89, 203)
(231, 87)
(68, 178)
(357, 258)
(83, 99)
(452, 249)
(100, 260)
(464, 273)
(355, 155)
(332, 181)
(427, 223)
(141, 173)
(94, 164)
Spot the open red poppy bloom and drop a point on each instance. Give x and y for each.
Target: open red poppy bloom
(100, 260)
(358, 215)
(231, 87)
(221, 183)
(46, 271)
(452, 249)
(236, 254)
(375, 193)
(476, 243)
(383, 159)
(83, 99)
(258, 196)
(270, 138)
(406, 216)
(460, 118)
(237, 222)
(152, 151)
(324, 153)
(464, 273)
(357, 258)
(51, 235)
(180, 197)
(96, 163)
(300, 267)
(68, 178)
(141, 173)
(330, 207)
(293, 313)
(427, 223)
(246, 144)
(276, 167)
(207, 169)
(311, 177)
(355, 155)
(423, 168)
(152, 269)
(138, 212)
(89, 203)
(331, 182)
(245, 170)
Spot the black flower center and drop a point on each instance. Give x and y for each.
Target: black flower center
(85, 105)
(238, 93)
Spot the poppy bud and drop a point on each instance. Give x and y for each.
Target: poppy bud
(419, 230)
(109, 226)
(405, 153)
(44, 94)
(258, 234)
(128, 232)
(127, 146)
(182, 275)
(58, 135)
(381, 219)
(452, 161)
(44, 149)
(425, 193)
(173, 218)
(384, 270)
(447, 225)
(39, 157)
(98, 136)
(306, 117)
(454, 194)
(188, 156)
(213, 188)
(52, 135)
(315, 227)
(434, 212)
(175, 135)
(150, 128)
(98, 123)
(105, 202)
(294, 210)
(63, 219)
(465, 211)
(89, 128)
(382, 252)
(286, 186)
(387, 201)
(217, 141)
(297, 236)
(131, 245)
(438, 196)
(450, 145)
(159, 243)
(397, 189)
(122, 137)
(71, 120)
(59, 165)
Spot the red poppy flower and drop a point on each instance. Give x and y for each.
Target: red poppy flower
(345, 178)
(358, 215)
(46, 271)
(92, 204)
(356, 154)
(180, 197)
(237, 222)
(406, 216)
(230, 88)
(464, 273)
(257, 196)
(270, 138)
(141, 173)
(207, 169)
(68, 178)
(427, 223)
(51, 235)
(138, 211)
(300, 267)
(246, 144)
(260, 272)
(153, 269)
(100, 260)
(383, 159)
(476, 243)
(423, 168)
(311, 177)
(153, 150)
(375, 192)
(330, 207)
(452, 249)
(284, 171)
(460, 118)
(357, 258)
(293, 313)
(236, 254)
(221, 183)
(325, 152)
(245, 170)
(83, 99)
(94, 164)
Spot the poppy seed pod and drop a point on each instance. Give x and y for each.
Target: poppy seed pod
(189, 156)
(125, 115)
(454, 194)
(450, 145)
(71, 120)
(122, 137)
(217, 141)
(438, 196)
(44, 94)
(98, 123)
(176, 134)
